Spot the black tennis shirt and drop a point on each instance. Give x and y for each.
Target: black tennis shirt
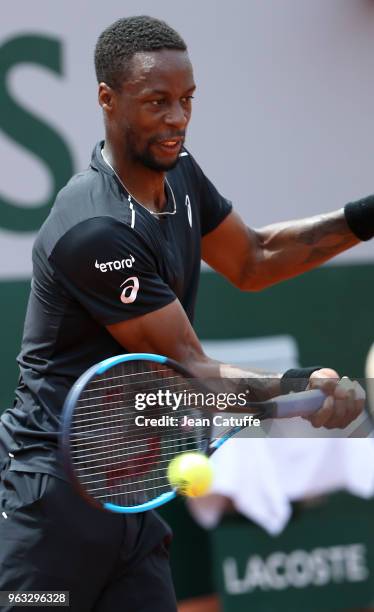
(99, 258)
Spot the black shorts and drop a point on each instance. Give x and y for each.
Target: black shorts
(51, 539)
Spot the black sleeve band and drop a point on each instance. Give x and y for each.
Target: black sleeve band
(360, 217)
(296, 379)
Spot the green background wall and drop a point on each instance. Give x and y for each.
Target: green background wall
(331, 527)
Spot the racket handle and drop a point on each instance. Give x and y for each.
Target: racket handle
(298, 404)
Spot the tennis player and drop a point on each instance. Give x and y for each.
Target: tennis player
(115, 269)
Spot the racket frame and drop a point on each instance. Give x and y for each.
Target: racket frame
(69, 406)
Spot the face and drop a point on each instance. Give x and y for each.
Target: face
(150, 114)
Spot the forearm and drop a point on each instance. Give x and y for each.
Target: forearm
(288, 249)
(260, 385)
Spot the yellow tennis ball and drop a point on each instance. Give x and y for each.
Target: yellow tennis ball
(191, 473)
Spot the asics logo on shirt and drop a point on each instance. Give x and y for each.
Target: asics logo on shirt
(130, 290)
(119, 264)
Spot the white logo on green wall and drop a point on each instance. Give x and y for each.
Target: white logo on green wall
(29, 131)
(297, 569)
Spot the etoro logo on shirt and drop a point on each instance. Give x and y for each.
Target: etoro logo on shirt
(118, 264)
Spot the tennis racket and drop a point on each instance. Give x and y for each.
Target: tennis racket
(116, 462)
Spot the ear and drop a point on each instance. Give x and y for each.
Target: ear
(106, 97)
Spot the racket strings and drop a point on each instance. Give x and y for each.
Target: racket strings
(114, 459)
(132, 492)
(121, 388)
(90, 406)
(97, 481)
(126, 422)
(132, 443)
(79, 427)
(107, 379)
(134, 451)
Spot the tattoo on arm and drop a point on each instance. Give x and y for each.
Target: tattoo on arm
(326, 237)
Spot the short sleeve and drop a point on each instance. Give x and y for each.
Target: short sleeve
(110, 270)
(214, 208)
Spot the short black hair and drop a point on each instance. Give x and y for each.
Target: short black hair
(125, 37)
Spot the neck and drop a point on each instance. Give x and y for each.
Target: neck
(145, 185)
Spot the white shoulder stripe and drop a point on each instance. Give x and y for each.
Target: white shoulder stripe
(183, 154)
(131, 205)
